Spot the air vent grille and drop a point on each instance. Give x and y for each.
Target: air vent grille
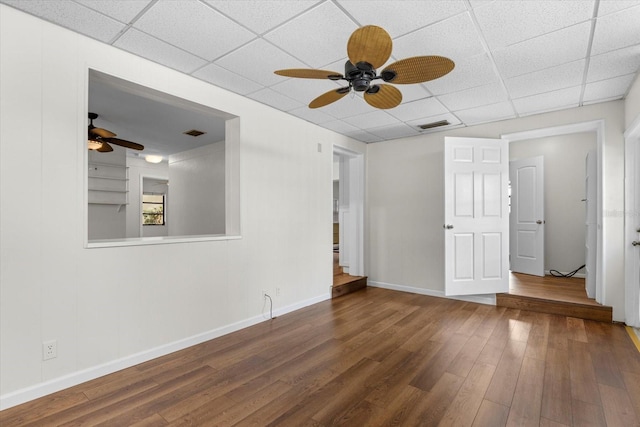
(194, 132)
(434, 124)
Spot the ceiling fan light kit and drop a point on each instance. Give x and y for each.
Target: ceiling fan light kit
(99, 139)
(368, 48)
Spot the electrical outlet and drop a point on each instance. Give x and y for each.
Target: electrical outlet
(49, 349)
(277, 292)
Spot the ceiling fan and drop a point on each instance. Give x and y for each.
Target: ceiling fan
(98, 139)
(369, 47)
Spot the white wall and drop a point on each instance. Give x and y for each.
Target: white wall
(111, 307)
(405, 201)
(138, 168)
(105, 221)
(632, 103)
(564, 189)
(197, 202)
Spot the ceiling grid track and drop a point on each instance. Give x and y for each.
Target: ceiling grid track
(594, 20)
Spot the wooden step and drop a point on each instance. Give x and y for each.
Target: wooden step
(345, 284)
(564, 308)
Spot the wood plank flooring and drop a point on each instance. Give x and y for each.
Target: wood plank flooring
(555, 295)
(344, 283)
(373, 358)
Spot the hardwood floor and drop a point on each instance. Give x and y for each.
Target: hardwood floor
(555, 295)
(373, 357)
(344, 283)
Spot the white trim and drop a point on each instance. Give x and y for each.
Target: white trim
(596, 126)
(42, 389)
(487, 299)
(631, 275)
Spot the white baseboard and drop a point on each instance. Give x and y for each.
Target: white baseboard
(27, 394)
(488, 299)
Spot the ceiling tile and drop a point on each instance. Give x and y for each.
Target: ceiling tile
(474, 97)
(226, 79)
(560, 77)
(565, 98)
(471, 72)
(399, 130)
(194, 27)
(417, 109)
(151, 48)
(607, 7)
(504, 23)
(364, 136)
(73, 16)
(373, 118)
(304, 90)
(340, 126)
(263, 15)
(486, 113)
(413, 92)
(258, 60)
(317, 37)
(350, 105)
(270, 97)
(615, 63)
(569, 44)
(616, 31)
(454, 38)
(123, 11)
(401, 20)
(608, 89)
(313, 115)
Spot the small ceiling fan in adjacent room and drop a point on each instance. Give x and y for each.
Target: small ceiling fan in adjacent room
(99, 139)
(368, 48)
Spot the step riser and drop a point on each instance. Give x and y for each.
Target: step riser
(347, 288)
(602, 314)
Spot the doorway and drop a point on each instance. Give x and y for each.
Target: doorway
(348, 221)
(565, 225)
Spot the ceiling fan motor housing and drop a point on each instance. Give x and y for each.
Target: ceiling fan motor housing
(359, 75)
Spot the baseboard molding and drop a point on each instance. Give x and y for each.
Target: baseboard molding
(27, 394)
(489, 299)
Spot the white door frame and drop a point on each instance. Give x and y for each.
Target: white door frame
(631, 222)
(596, 126)
(352, 233)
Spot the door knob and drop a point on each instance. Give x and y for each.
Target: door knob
(447, 226)
(539, 222)
(635, 243)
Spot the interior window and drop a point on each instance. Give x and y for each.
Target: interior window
(153, 209)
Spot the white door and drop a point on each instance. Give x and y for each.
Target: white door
(476, 216)
(591, 223)
(526, 229)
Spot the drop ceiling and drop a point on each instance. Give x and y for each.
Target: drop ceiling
(513, 58)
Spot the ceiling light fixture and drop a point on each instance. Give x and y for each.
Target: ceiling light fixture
(153, 158)
(93, 144)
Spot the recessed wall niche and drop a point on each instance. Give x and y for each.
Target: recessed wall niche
(191, 147)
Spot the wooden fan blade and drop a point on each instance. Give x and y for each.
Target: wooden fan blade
(386, 97)
(102, 132)
(105, 148)
(124, 143)
(308, 73)
(329, 97)
(418, 69)
(370, 44)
